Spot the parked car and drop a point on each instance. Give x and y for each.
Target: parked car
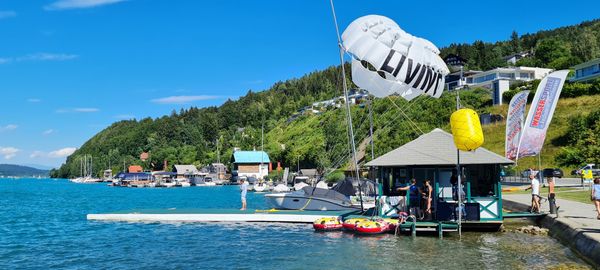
(525, 173)
(595, 172)
(553, 172)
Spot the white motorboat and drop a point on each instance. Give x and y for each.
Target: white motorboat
(281, 188)
(85, 180)
(322, 185)
(314, 198)
(311, 198)
(167, 184)
(300, 186)
(183, 182)
(260, 187)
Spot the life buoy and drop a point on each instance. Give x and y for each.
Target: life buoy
(350, 224)
(373, 227)
(327, 224)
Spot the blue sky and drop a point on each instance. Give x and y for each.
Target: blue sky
(69, 68)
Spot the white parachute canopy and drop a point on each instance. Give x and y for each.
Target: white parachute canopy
(386, 60)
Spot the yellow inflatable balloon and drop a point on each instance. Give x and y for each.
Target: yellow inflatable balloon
(466, 129)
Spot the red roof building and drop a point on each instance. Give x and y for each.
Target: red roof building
(135, 169)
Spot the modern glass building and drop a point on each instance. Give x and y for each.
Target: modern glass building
(587, 71)
(499, 80)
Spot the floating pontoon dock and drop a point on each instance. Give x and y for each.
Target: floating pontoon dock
(217, 215)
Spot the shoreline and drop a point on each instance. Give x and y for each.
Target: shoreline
(580, 238)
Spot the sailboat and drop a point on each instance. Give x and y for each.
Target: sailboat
(86, 167)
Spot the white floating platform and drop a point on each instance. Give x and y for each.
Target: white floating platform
(216, 215)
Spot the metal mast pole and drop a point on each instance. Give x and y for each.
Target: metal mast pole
(459, 174)
(371, 128)
(349, 115)
(540, 167)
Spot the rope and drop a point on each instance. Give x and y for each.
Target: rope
(305, 205)
(405, 115)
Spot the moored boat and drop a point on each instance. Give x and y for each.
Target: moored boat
(311, 198)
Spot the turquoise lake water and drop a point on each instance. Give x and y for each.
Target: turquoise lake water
(43, 225)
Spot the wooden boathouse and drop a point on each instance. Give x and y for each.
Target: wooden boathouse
(432, 156)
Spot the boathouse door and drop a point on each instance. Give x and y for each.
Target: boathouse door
(445, 187)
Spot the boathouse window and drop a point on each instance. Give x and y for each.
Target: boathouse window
(394, 177)
(483, 179)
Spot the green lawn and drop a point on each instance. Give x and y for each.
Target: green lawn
(567, 193)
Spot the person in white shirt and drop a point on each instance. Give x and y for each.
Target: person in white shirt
(535, 193)
(243, 191)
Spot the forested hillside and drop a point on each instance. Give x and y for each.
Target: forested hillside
(192, 136)
(559, 48)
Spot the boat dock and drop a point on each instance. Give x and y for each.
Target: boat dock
(423, 226)
(217, 215)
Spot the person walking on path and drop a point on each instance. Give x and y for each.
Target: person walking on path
(596, 195)
(535, 193)
(552, 196)
(243, 191)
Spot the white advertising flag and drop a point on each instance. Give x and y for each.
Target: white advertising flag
(514, 123)
(540, 114)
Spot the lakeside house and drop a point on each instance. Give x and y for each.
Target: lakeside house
(455, 61)
(251, 163)
(432, 156)
(135, 169)
(513, 58)
(185, 171)
(499, 79)
(587, 71)
(456, 80)
(355, 97)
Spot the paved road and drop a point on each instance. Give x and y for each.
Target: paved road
(580, 213)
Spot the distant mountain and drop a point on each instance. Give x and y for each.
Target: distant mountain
(18, 170)
(39, 167)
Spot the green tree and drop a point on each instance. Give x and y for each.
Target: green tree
(515, 42)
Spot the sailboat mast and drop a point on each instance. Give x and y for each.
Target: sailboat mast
(218, 154)
(346, 99)
(262, 146)
(371, 128)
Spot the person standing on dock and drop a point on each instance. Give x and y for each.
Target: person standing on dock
(414, 202)
(596, 195)
(535, 193)
(552, 196)
(243, 191)
(426, 199)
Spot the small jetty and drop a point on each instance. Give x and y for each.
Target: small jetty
(218, 215)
